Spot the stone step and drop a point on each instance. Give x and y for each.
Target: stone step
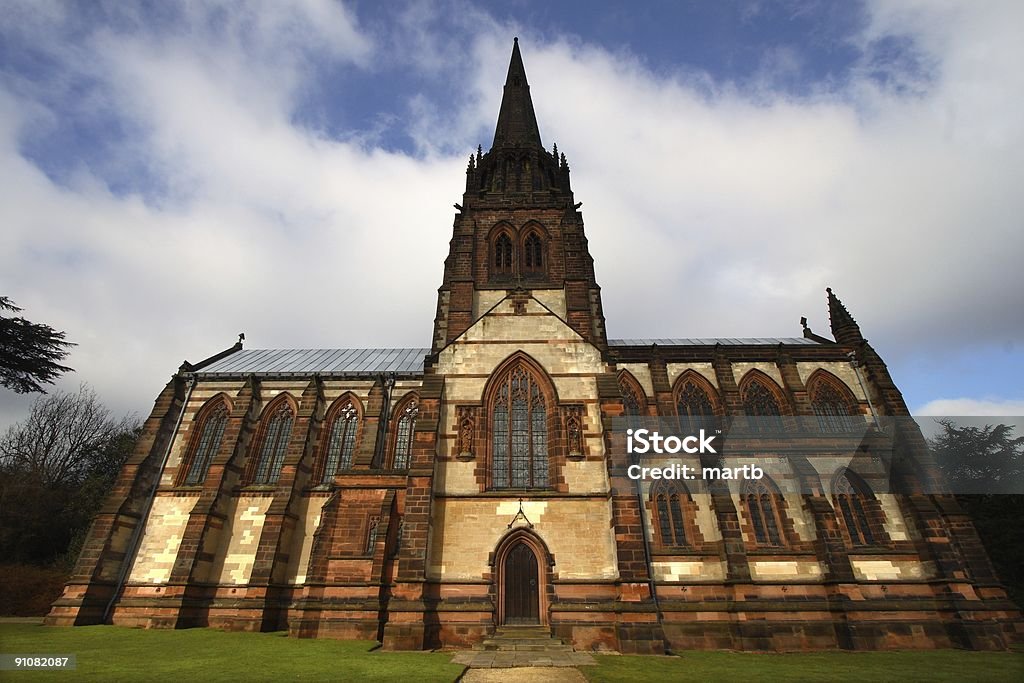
(525, 645)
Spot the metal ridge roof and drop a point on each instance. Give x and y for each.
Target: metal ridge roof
(347, 362)
(711, 341)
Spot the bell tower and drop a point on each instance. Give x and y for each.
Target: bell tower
(519, 229)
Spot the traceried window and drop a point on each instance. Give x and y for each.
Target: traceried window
(849, 502)
(519, 444)
(533, 254)
(276, 434)
(759, 402)
(762, 503)
(694, 407)
(503, 255)
(341, 441)
(403, 435)
(211, 430)
(832, 408)
(631, 401)
(668, 509)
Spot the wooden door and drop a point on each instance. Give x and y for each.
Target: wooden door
(522, 594)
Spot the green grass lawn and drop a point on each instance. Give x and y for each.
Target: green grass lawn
(863, 667)
(110, 653)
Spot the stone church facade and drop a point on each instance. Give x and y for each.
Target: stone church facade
(424, 497)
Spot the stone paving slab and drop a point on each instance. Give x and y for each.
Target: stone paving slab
(476, 659)
(525, 674)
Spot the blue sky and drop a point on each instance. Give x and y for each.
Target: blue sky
(177, 173)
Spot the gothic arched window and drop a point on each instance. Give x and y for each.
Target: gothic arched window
(211, 423)
(694, 406)
(835, 409)
(341, 441)
(402, 450)
(503, 255)
(631, 392)
(533, 254)
(277, 431)
(763, 505)
(519, 432)
(668, 502)
(761, 403)
(850, 500)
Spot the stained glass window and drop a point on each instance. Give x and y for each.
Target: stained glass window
(341, 441)
(630, 397)
(850, 502)
(275, 442)
(669, 510)
(762, 507)
(831, 408)
(759, 403)
(211, 432)
(403, 435)
(519, 454)
(694, 407)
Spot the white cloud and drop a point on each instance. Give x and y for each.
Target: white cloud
(971, 407)
(711, 210)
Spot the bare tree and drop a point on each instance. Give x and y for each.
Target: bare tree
(64, 437)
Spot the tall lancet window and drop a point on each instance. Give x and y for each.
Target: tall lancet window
(763, 502)
(402, 451)
(277, 432)
(211, 431)
(533, 254)
(851, 496)
(341, 441)
(503, 255)
(519, 445)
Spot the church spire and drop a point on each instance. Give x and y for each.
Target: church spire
(517, 123)
(844, 328)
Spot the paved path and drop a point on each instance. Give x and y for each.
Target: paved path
(491, 659)
(526, 674)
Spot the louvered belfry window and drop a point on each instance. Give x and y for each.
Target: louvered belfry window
(272, 449)
(341, 443)
(210, 436)
(503, 255)
(533, 253)
(519, 434)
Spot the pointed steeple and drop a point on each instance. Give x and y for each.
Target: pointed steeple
(517, 123)
(844, 328)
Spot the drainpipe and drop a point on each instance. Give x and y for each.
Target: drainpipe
(133, 543)
(855, 364)
(647, 556)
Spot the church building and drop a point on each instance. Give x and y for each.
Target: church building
(425, 497)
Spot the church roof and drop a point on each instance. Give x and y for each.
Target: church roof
(712, 341)
(326, 362)
(372, 362)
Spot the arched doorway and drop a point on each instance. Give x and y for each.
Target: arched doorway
(521, 586)
(522, 578)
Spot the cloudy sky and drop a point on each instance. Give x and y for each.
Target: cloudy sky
(177, 173)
